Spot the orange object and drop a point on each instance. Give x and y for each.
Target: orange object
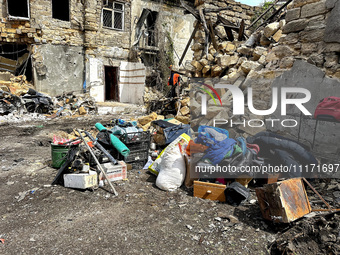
(90, 144)
(2, 240)
(195, 148)
(174, 79)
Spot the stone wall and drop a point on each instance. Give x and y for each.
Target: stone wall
(83, 37)
(84, 27)
(312, 34)
(310, 45)
(236, 14)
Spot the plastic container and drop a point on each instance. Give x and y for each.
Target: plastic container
(135, 137)
(59, 153)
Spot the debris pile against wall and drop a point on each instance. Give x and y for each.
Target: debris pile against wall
(16, 85)
(302, 33)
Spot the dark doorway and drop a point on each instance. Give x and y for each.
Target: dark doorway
(111, 83)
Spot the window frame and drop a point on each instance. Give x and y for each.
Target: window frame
(113, 10)
(10, 17)
(69, 12)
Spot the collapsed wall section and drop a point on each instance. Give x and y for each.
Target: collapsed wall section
(301, 50)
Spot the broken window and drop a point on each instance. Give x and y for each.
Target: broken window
(61, 9)
(113, 15)
(18, 9)
(15, 58)
(146, 34)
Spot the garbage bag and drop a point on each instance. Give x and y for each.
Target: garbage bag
(170, 166)
(173, 170)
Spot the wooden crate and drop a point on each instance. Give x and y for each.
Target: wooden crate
(283, 201)
(210, 191)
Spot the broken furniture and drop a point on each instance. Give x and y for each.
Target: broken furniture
(284, 201)
(210, 191)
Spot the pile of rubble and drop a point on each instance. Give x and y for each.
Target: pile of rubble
(74, 105)
(19, 101)
(318, 235)
(234, 60)
(16, 85)
(151, 96)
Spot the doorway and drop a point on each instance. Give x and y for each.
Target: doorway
(111, 83)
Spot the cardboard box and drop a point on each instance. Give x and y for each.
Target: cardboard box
(114, 172)
(81, 180)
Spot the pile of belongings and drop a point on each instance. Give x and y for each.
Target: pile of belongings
(168, 130)
(108, 152)
(278, 150)
(213, 147)
(223, 150)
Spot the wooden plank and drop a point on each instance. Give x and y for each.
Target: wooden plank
(210, 191)
(192, 11)
(212, 35)
(188, 44)
(241, 31)
(8, 61)
(269, 8)
(229, 34)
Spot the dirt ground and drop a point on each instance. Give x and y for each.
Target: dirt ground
(37, 218)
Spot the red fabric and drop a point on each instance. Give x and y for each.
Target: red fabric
(195, 148)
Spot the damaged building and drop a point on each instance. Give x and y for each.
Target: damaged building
(85, 45)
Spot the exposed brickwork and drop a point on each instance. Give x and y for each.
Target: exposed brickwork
(83, 29)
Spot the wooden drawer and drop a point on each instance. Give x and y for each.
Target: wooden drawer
(210, 191)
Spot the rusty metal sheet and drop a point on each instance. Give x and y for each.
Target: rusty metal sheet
(284, 201)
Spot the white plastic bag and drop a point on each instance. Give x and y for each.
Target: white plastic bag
(172, 170)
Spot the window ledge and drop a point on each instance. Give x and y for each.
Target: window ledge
(115, 29)
(17, 18)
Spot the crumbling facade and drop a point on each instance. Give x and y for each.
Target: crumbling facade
(157, 23)
(74, 45)
(77, 45)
